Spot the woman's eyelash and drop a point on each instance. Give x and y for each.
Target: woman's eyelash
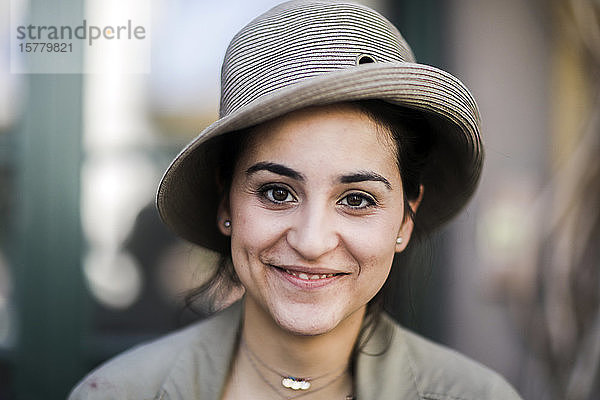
(358, 200)
(277, 194)
(280, 194)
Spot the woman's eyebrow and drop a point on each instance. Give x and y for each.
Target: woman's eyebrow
(276, 169)
(362, 176)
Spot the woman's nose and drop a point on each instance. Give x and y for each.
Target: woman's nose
(313, 232)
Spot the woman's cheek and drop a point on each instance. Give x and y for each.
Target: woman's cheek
(257, 229)
(371, 241)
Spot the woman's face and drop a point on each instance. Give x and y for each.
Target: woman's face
(316, 205)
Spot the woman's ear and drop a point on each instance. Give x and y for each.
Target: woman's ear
(224, 217)
(406, 229)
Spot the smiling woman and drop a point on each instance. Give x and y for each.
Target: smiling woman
(320, 170)
(315, 193)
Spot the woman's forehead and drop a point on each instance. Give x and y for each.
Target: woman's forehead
(342, 123)
(339, 135)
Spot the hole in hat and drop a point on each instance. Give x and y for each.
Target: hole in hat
(364, 59)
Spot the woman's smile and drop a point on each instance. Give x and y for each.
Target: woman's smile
(306, 273)
(301, 278)
(307, 280)
(316, 205)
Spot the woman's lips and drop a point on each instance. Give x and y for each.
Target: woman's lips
(308, 279)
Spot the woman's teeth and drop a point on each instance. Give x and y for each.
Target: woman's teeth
(307, 277)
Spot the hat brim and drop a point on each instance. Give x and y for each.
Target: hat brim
(188, 198)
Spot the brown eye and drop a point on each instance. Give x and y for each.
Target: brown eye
(278, 195)
(358, 200)
(354, 200)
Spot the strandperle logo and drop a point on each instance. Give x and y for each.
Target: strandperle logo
(83, 32)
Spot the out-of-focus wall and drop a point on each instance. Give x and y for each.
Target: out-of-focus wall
(501, 51)
(524, 295)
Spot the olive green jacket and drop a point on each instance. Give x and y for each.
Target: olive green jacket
(193, 364)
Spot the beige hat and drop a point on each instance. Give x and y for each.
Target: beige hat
(312, 52)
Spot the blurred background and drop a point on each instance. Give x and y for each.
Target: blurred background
(87, 270)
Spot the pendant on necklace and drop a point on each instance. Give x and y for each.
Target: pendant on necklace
(293, 383)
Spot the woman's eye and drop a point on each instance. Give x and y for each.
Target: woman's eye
(278, 195)
(356, 200)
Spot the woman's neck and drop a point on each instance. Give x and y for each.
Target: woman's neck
(297, 355)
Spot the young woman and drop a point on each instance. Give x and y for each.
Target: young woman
(334, 149)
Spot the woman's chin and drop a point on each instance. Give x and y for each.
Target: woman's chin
(308, 320)
(303, 326)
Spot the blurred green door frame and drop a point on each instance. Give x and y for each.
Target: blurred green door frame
(423, 25)
(50, 291)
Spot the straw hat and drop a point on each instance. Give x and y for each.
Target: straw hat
(311, 52)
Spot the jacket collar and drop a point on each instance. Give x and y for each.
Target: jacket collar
(201, 371)
(384, 368)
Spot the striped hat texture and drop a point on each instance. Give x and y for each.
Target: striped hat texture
(313, 52)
